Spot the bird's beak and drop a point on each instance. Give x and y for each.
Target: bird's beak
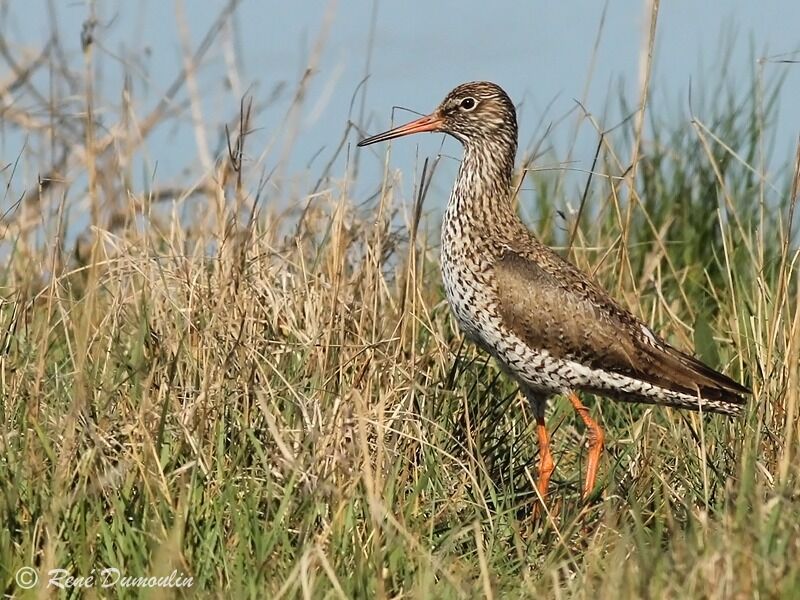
(432, 122)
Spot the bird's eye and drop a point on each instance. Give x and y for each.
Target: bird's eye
(468, 103)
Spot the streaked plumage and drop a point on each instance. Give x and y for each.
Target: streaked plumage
(547, 323)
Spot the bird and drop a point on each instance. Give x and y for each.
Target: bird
(549, 325)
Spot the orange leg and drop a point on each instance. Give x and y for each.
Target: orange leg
(596, 443)
(546, 464)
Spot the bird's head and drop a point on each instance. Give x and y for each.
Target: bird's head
(475, 113)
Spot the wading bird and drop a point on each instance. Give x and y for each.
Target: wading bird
(546, 322)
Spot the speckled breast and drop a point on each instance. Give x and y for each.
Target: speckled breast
(467, 299)
(466, 274)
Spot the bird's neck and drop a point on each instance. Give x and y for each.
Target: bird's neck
(482, 192)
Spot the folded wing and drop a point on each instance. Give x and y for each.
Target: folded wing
(552, 306)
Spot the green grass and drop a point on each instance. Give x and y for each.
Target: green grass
(281, 415)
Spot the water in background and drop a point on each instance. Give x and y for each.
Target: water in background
(546, 55)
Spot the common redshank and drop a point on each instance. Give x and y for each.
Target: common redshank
(547, 323)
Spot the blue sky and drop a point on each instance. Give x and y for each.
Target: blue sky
(541, 52)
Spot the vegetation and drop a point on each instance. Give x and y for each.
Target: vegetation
(279, 405)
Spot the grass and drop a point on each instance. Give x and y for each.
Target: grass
(278, 405)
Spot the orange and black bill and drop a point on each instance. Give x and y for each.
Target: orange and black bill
(426, 123)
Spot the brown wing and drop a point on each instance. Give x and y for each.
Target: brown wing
(551, 305)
